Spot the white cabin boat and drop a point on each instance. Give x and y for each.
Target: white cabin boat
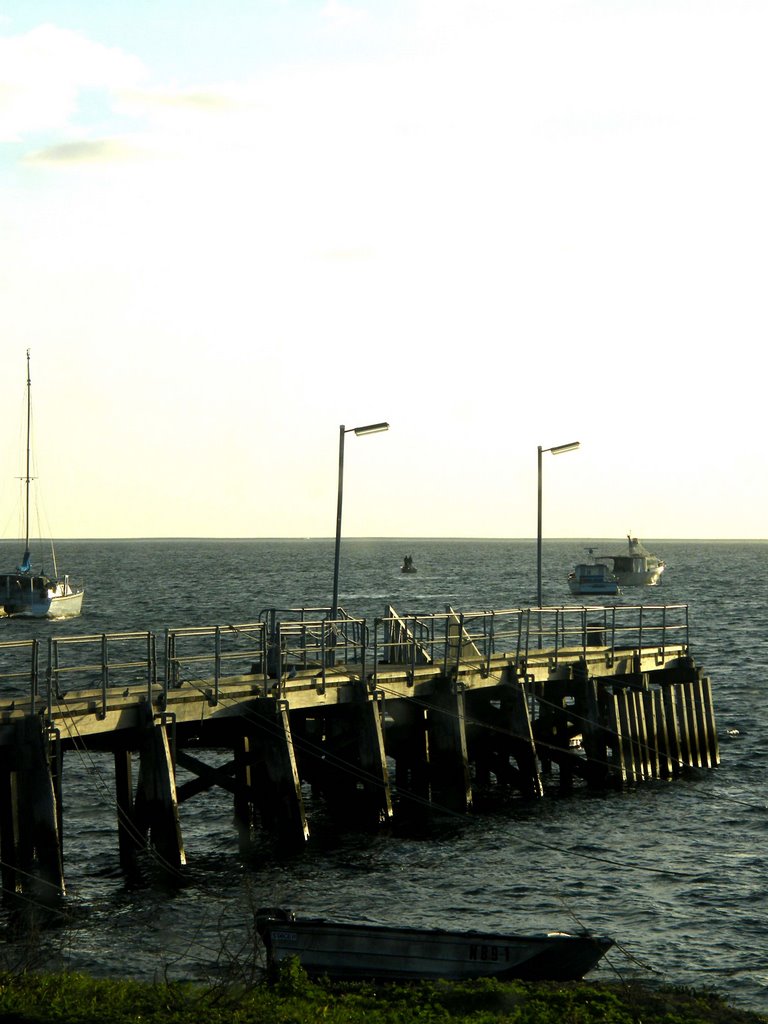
(637, 567)
(592, 577)
(28, 596)
(23, 593)
(375, 952)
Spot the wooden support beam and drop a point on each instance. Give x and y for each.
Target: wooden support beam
(592, 730)
(514, 706)
(39, 839)
(157, 782)
(615, 737)
(56, 762)
(671, 715)
(245, 774)
(448, 762)
(709, 715)
(652, 725)
(625, 706)
(499, 731)
(373, 761)
(129, 837)
(641, 733)
(9, 831)
(406, 740)
(683, 723)
(206, 776)
(351, 772)
(277, 788)
(665, 761)
(695, 759)
(702, 722)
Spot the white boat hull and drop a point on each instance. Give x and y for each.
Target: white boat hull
(597, 589)
(26, 597)
(359, 952)
(592, 578)
(643, 578)
(65, 606)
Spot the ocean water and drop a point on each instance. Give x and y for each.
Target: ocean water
(676, 872)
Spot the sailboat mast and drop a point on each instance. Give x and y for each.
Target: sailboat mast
(28, 478)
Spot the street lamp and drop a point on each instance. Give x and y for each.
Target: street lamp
(372, 428)
(557, 450)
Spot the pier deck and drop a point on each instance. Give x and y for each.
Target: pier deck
(415, 710)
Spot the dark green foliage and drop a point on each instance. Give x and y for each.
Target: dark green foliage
(293, 999)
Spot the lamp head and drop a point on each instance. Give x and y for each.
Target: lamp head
(372, 428)
(560, 448)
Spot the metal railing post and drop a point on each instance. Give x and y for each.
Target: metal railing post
(169, 654)
(104, 673)
(33, 680)
(216, 664)
(376, 622)
(151, 664)
(640, 628)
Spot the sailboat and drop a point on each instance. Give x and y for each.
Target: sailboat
(26, 594)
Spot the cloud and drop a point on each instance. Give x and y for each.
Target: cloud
(213, 100)
(45, 72)
(86, 152)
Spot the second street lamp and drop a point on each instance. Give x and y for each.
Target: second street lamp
(371, 428)
(557, 450)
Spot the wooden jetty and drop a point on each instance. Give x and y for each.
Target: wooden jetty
(371, 718)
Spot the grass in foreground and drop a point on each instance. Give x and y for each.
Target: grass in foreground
(77, 999)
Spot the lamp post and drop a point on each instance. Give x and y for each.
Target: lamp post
(372, 428)
(557, 450)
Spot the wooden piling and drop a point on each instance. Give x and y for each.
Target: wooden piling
(9, 831)
(593, 730)
(628, 735)
(128, 836)
(39, 838)
(699, 702)
(372, 758)
(515, 715)
(499, 733)
(694, 746)
(672, 718)
(244, 753)
(640, 726)
(277, 785)
(709, 718)
(450, 783)
(406, 740)
(157, 787)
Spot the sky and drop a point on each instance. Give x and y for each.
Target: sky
(228, 229)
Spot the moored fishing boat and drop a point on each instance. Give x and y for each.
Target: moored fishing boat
(592, 577)
(638, 567)
(362, 951)
(27, 594)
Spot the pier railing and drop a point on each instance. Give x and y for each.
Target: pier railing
(285, 641)
(451, 638)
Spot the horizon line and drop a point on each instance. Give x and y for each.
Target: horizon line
(330, 538)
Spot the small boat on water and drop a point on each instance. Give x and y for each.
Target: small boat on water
(592, 577)
(408, 565)
(356, 952)
(637, 567)
(24, 593)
